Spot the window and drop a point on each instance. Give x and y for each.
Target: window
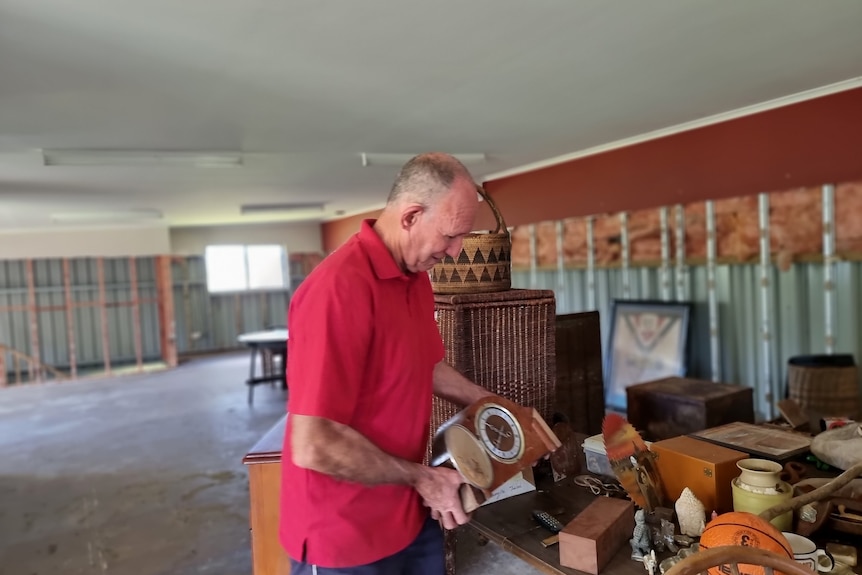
(241, 268)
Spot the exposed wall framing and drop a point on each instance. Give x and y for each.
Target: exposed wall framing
(768, 270)
(61, 318)
(828, 265)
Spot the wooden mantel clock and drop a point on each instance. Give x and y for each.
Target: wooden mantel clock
(490, 442)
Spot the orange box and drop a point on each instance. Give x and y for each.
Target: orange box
(705, 468)
(594, 536)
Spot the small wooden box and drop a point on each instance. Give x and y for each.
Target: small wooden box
(705, 468)
(676, 406)
(591, 539)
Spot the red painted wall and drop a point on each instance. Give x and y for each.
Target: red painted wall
(804, 144)
(334, 233)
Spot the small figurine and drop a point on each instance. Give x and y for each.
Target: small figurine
(640, 540)
(691, 514)
(650, 562)
(667, 535)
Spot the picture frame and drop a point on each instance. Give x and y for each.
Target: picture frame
(769, 442)
(648, 340)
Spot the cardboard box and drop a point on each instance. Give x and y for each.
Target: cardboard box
(705, 468)
(596, 455)
(594, 536)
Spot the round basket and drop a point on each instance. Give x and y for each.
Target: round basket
(484, 264)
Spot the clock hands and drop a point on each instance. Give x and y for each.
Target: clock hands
(501, 434)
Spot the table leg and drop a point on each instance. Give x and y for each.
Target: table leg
(251, 375)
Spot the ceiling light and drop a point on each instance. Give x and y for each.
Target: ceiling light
(141, 158)
(401, 159)
(283, 207)
(107, 216)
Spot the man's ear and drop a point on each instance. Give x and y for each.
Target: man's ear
(410, 215)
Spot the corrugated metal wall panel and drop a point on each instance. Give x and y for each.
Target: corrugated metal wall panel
(796, 315)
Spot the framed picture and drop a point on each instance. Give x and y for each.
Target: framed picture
(648, 341)
(771, 443)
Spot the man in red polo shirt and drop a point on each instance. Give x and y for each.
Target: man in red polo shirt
(365, 357)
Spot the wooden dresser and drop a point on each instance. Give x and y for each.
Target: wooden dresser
(264, 482)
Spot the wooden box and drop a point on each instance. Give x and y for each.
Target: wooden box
(676, 406)
(594, 536)
(705, 468)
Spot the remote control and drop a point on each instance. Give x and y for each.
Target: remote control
(548, 521)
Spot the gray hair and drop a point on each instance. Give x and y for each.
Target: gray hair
(427, 176)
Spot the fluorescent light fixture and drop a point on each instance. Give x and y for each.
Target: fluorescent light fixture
(107, 216)
(141, 158)
(310, 207)
(401, 159)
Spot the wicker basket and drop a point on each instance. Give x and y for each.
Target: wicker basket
(504, 342)
(827, 385)
(485, 262)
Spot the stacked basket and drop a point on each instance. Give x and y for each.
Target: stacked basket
(484, 264)
(500, 338)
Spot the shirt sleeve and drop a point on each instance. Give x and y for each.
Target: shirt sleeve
(329, 336)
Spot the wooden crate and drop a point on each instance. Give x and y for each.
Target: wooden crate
(705, 468)
(580, 393)
(594, 536)
(676, 406)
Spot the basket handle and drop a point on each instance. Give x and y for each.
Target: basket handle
(501, 223)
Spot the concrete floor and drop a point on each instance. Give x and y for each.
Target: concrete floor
(142, 475)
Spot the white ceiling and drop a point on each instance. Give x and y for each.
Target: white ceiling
(302, 87)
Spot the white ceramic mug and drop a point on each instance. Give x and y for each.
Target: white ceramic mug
(807, 553)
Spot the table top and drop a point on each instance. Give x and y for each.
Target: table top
(266, 336)
(268, 447)
(510, 524)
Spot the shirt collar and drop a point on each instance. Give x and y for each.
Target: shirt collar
(381, 259)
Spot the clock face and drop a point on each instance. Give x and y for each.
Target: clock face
(500, 433)
(468, 456)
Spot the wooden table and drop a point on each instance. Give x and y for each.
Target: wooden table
(266, 344)
(508, 523)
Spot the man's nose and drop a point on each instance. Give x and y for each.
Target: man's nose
(454, 248)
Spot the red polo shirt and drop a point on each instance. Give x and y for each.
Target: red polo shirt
(362, 348)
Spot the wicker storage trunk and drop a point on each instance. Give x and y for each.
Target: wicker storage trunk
(503, 341)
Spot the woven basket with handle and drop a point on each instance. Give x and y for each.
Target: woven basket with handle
(484, 264)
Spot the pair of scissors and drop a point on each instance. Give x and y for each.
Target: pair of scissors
(597, 486)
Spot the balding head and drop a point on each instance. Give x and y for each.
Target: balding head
(426, 177)
(430, 209)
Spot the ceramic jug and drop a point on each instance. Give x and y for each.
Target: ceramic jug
(759, 487)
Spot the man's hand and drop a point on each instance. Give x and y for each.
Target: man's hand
(439, 489)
